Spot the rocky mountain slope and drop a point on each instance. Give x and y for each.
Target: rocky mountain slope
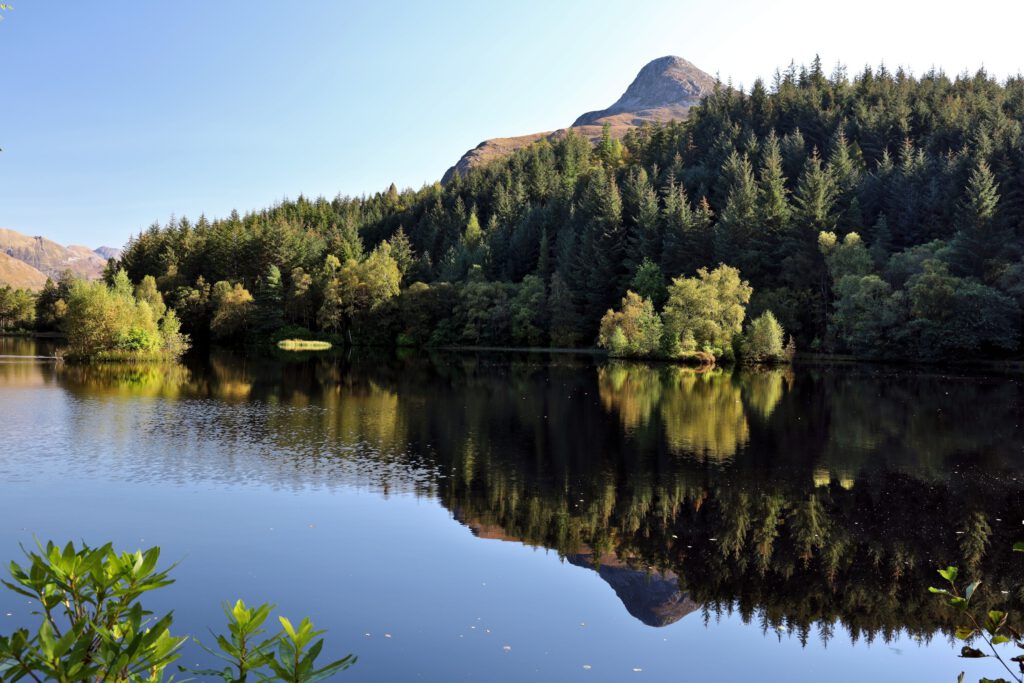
(664, 90)
(19, 274)
(49, 258)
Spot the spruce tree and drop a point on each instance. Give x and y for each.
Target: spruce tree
(978, 238)
(269, 301)
(640, 203)
(603, 246)
(773, 211)
(738, 224)
(815, 197)
(402, 251)
(566, 326)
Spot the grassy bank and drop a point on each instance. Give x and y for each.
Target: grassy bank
(303, 345)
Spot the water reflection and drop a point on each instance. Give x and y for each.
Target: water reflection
(803, 499)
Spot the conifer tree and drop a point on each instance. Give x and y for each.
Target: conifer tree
(738, 225)
(978, 236)
(543, 269)
(270, 301)
(641, 208)
(402, 251)
(815, 196)
(773, 200)
(566, 324)
(603, 245)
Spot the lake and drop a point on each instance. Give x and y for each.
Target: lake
(505, 517)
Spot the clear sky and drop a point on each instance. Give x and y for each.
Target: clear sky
(117, 113)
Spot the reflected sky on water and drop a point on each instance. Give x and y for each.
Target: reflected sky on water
(430, 510)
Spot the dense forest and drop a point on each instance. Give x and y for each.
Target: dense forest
(880, 215)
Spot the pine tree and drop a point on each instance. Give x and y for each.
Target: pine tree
(773, 204)
(601, 267)
(880, 240)
(794, 152)
(544, 256)
(774, 211)
(738, 224)
(843, 165)
(609, 150)
(473, 234)
(678, 229)
(815, 197)
(566, 324)
(640, 210)
(978, 238)
(402, 251)
(270, 301)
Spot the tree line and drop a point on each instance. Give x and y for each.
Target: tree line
(879, 215)
(112, 320)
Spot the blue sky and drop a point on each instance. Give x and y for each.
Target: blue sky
(118, 113)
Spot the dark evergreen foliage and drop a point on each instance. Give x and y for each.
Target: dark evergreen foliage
(750, 179)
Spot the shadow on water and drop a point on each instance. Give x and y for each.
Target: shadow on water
(802, 499)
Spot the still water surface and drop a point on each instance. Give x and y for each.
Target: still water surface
(508, 518)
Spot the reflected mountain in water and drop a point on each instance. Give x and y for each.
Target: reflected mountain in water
(803, 499)
(651, 596)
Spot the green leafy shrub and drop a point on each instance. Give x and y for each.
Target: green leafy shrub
(115, 322)
(284, 656)
(94, 627)
(634, 330)
(991, 627)
(763, 340)
(137, 339)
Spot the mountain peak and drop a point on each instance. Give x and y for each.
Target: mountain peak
(665, 88)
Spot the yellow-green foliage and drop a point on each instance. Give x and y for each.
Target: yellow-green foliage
(17, 307)
(233, 310)
(763, 340)
(705, 312)
(634, 330)
(113, 322)
(303, 345)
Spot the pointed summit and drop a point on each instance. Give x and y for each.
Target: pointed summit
(664, 89)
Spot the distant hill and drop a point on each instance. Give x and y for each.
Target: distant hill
(19, 274)
(50, 258)
(664, 90)
(108, 252)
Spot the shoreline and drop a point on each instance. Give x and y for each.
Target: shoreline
(802, 357)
